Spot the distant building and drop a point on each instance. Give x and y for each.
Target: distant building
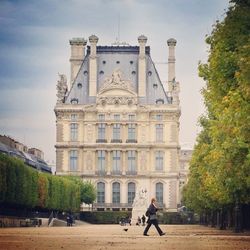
(32, 157)
(37, 152)
(185, 157)
(117, 126)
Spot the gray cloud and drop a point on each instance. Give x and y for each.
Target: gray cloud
(34, 47)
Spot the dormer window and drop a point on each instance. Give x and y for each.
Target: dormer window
(149, 73)
(103, 62)
(79, 85)
(155, 86)
(85, 72)
(159, 101)
(74, 101)
(133, 72)
(131, 62)
(117, 62)
(101, 72)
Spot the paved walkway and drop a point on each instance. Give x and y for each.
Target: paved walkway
(100, 237)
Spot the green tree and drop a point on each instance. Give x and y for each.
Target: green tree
(220, 166)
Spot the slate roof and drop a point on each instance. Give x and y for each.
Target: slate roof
(125, 58)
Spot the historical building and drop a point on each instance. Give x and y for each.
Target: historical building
(32, 157)
(116, 124)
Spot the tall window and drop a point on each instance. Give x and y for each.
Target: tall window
(73, 131)
(131, 131)
(131, 161)
(116, 131)
(159, 132)
(101, 160)
(116, 162)
(73, 117)
(116, 192)
(131, 117)
(101, 117)
(101, 131)
(159, 160)
(73, 160)
(131, 192)
(100, 192)
(117, 117)
(158, 117)
(159, 192)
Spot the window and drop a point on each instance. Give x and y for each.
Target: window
(73, 117)
(73, 131)
(132, 161)
(100, 192)
(131, 117)
(159, 101)
(79, 85)
(159, 192)
(158, 117)
(159, 132)
(131, 131)
(116, 131)
(73, 160)
(159, 160)
(116, 162)
(74, 101)
(131, 192)
(117, 117)
(101, 131)
(101, 117)
(116, 192)
(101, 160)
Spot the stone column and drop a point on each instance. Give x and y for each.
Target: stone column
(142, 66)
(77, 56)
(92, 66)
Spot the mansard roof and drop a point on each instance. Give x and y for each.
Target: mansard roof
(124, 59)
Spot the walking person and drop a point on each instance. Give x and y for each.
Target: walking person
(153, 219)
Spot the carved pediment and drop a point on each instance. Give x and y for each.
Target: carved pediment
(116, 91)
(116, 85)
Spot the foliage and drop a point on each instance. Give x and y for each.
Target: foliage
(22, 186)
(220, 166)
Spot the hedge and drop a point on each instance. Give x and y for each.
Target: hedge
(23, 186)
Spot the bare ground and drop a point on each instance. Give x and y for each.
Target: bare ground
(100, 237)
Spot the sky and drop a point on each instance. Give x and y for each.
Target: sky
(34, 48)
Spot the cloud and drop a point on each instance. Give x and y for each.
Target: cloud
(34, 47)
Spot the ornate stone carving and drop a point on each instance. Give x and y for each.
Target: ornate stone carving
(116, 81)
(119, 100)
(62, 88)
(143, 160)
(89, 133)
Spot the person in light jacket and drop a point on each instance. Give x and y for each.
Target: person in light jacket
(153, 219)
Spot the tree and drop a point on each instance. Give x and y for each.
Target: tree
(220, 166)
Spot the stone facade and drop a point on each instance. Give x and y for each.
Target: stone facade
(117, 126)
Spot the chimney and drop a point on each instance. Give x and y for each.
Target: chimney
(171, 62)
(142, 66)
(92, 66)
(173, 86)
(77, 56)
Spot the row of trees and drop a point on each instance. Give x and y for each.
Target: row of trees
(22, 186)
(220, 167)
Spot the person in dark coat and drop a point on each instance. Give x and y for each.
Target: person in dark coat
(153, 219)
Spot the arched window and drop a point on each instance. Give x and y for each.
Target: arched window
(159, 192)
(131, 192)
(116, 192)
(100, 192)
